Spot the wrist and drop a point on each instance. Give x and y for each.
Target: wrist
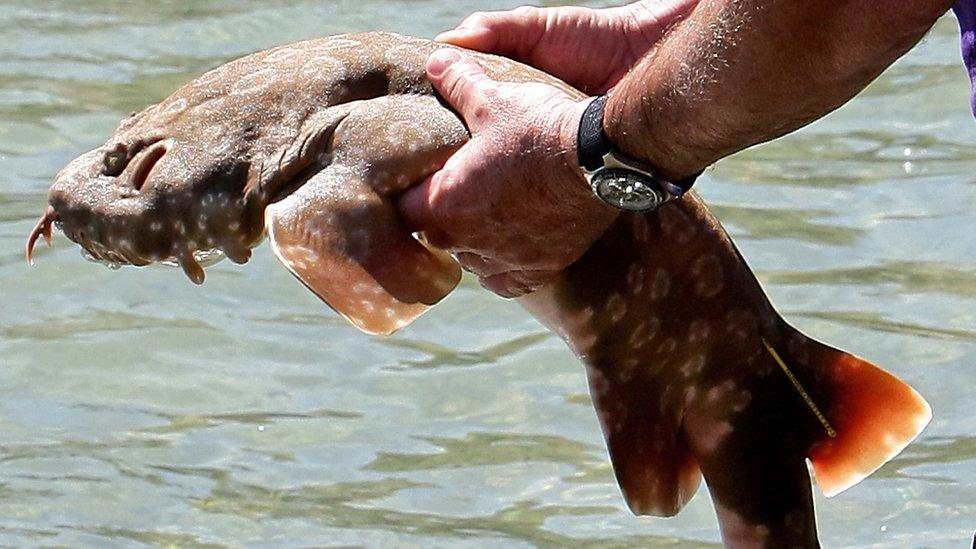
(667, 146)
(569, 122)
(569, 126)
(617, 179)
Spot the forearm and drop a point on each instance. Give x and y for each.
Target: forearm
(739, 72)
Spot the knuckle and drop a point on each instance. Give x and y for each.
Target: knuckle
(474, 264)
(441, 184)
(442, 203)
(465, 78)
(483, 20)
(476, 19)
(452, 86)
(487, 91)
(441, 212)
(526, 12)
(481, 109)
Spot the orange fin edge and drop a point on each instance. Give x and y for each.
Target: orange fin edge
(875, 415)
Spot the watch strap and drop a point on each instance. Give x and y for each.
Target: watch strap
(592, 143)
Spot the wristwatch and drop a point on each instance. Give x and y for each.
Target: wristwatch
(619, 181)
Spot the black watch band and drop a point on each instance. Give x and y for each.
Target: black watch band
(592, 144)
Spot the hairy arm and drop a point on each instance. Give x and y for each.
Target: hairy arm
(740, 72)
(512, 203)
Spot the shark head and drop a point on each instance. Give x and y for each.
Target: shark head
(142, 201)
(169, 186)
(309, 154)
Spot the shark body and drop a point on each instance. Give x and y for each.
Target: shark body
(691, 370)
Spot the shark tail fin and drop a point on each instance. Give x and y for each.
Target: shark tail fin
(869, 417)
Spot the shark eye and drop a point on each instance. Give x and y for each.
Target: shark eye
(114, 162)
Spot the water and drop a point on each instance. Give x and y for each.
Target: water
(136, 408)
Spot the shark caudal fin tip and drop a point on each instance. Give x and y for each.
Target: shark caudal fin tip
(876, 416)
(833, 487)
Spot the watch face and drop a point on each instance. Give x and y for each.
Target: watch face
(627, 190)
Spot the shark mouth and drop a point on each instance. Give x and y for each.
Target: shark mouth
(192, 263)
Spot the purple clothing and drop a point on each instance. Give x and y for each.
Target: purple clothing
(966, 14)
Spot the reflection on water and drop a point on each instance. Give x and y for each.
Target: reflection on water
(936, 450)
(485, 449)
(355, 505)
(139, 409)
(190, 422)
(879, 323)
(920, 277)
(751, 222)
(98, 321)
(157, 538)
(441, 355)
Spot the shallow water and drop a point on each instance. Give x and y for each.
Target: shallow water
(138, 409)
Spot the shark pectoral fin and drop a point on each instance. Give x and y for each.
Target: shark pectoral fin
(346, 244)
(655, 468)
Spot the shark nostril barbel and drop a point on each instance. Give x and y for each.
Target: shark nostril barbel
(42, 228)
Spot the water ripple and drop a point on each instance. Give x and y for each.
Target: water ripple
(879, 322)
(487, 449)
(191, 422)
(99, 321)
(765, 223)
(920, 277)
(352, 505)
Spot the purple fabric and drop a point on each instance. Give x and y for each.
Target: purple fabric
(966, 14)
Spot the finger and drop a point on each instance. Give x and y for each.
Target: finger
(511, 33)
(502, 284)
(415, 210)
(419, 215)
(481, 265)
(517, 283)
(430, 206)
(432, 238)
(462, 83)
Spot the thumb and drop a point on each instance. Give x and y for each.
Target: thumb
(477, 32)
(462, 83)
(418, 215)
(510, 33)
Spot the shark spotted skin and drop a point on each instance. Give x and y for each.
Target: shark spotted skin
(691, 370)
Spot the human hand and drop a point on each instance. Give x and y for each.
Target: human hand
(591, 49)
(511, 203)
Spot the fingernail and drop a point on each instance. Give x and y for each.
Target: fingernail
(440, 60)
(459, 33)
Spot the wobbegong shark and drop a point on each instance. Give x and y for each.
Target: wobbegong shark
(692, 372)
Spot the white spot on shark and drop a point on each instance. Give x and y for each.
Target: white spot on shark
(661, 284)
(176, 107)
(708, 276)
(635, 278)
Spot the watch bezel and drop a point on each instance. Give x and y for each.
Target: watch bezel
(612, 163)
(600, 180)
